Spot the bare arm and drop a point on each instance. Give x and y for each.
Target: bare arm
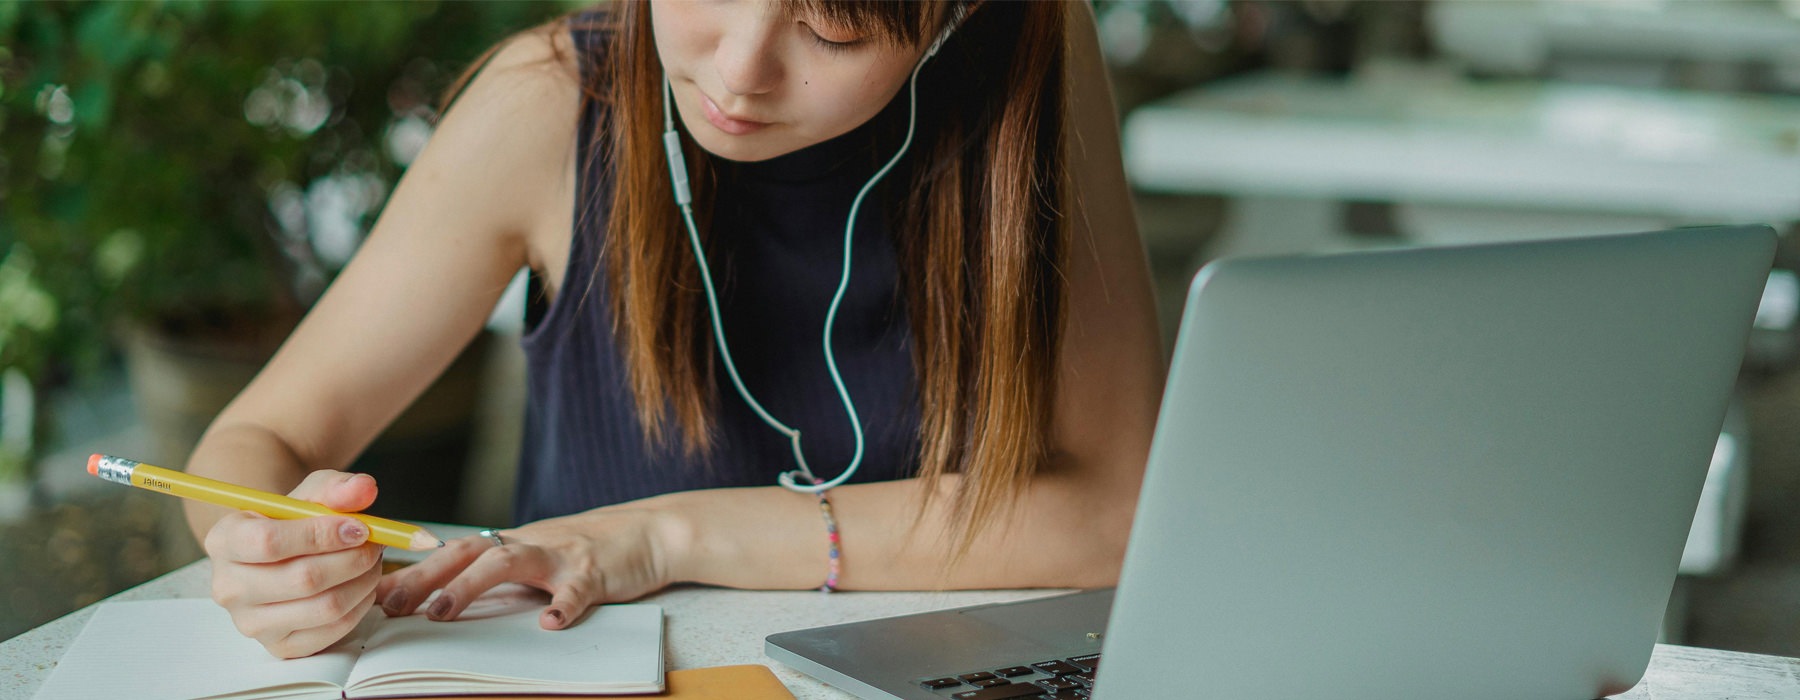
(454, 232)
(447, 242)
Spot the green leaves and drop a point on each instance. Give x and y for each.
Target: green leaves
(25, 306)
(135, 185)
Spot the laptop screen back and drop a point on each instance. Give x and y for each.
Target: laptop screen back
(1455, 472)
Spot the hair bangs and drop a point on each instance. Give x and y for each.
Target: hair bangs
(899, 22)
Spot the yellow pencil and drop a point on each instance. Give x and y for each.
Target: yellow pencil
(146, 476)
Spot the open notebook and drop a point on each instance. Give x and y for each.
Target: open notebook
(188, 648)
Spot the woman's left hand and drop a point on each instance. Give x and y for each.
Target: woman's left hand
(600, 556)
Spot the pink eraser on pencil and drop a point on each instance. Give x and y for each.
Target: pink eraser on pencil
(94, 464)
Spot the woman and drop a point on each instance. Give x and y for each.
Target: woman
(986, 316)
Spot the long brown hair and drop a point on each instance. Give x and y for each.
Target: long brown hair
(981, 239)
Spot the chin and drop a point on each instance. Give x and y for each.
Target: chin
(744, 149)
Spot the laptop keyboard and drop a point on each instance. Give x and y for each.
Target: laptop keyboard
(1061, 679)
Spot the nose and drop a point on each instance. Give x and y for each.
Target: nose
(747, 62)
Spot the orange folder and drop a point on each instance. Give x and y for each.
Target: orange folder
(746, 682)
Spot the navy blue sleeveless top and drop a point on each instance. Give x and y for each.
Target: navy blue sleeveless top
(777, 232)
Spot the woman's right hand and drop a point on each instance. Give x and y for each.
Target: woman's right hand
(298, 586)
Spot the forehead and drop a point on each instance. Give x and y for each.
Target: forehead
(894, 22)
(898, 21)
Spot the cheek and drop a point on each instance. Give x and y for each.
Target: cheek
(679, 31)
(846, 102)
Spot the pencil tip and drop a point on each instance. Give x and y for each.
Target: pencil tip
(422, 540)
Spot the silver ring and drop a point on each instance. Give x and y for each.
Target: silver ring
(493, 536)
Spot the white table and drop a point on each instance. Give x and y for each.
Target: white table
(1464, 161)
(716, 627)
(1528, 37)
(1411, 135)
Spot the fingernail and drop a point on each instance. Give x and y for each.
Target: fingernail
(441, 607)
(556, 616)
(395, 603)
(352, 532)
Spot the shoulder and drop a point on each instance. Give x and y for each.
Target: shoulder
(511, 132)
(532, 78)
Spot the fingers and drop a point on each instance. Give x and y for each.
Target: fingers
(520, 563)
(250, 538)
(340, 491)
(567, 604)
(467, 568)
(301, 643)
(300, 627)
(236, 585)
(311, 641)
(403, 591)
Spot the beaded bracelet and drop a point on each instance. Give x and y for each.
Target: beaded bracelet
(831, 534)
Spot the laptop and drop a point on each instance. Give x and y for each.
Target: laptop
(1446, 472)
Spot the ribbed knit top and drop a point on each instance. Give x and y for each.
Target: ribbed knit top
(777, 238)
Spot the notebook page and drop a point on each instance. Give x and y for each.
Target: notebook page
(498, 637)
(180, 649)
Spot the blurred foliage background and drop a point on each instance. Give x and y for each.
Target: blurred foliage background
(200, 168)
(195, 171)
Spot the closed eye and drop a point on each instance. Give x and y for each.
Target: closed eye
(833, 44)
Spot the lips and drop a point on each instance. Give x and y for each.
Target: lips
(726, 123)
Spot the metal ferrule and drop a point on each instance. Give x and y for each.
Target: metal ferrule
(116, 469)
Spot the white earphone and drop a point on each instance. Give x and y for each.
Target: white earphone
(678, 178)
